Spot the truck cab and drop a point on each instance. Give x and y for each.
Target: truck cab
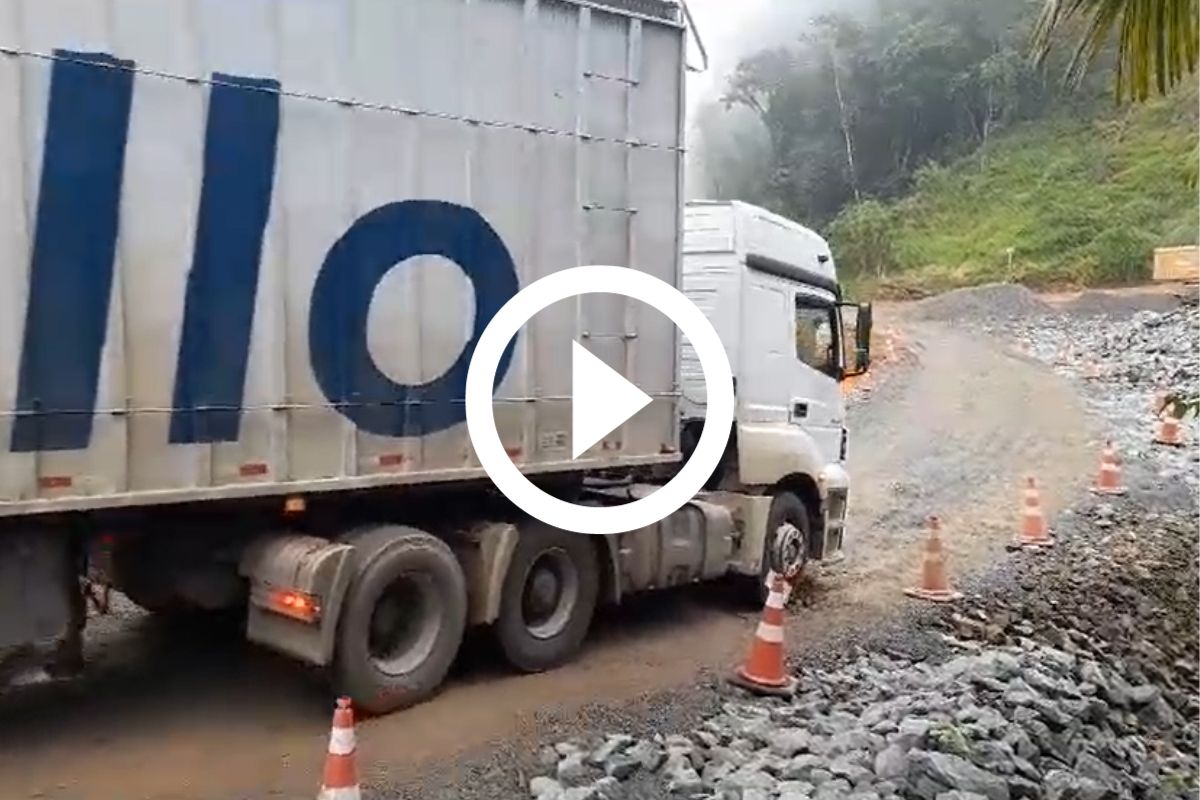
(769, 286)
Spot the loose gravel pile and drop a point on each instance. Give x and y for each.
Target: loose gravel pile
(1123, 364)
(1080, 684)
(1148, 350)
(982, 305)
(1070, 676)
(1116, 306)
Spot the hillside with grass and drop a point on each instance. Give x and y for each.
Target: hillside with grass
(925, 140)
(1062, 201)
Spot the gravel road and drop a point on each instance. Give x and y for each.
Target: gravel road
(1065, 673)
(951, 428)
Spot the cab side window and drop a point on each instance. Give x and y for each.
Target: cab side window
(816, 338)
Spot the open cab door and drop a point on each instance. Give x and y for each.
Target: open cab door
(856, 334)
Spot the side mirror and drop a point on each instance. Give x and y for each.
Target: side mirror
(862, 339)
(856, 333)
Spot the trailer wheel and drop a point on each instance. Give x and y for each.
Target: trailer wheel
(402, 621)
(548, 598)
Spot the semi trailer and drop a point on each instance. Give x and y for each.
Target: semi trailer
(246, 250)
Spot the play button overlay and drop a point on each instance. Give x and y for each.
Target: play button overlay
(602, 399)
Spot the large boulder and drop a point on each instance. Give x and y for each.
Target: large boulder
(931, 774)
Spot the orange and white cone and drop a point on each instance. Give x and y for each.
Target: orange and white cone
(1158, 403)
(340, 779)
(764, 671)
(1035, 534)
(1108, 481)
(934, 586)
(1169, 432)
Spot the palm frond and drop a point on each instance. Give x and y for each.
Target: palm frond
(1156, 40)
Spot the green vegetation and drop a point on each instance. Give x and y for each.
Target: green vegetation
(936, 143)
(1079, 202)
(861, 101)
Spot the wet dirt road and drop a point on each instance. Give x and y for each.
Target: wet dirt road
(952, 428)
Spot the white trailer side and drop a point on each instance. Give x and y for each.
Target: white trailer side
(243, 334)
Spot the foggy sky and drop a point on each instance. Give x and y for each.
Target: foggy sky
(733, 29)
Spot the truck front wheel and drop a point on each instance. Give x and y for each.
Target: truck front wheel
(788, 533)
(786, 543)
(403, 619)
(548, 598)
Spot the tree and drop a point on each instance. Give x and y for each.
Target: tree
(859, 102)
(731, 157)
(1156, 43)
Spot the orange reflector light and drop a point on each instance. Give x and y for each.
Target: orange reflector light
(297, 605)
(294, 505)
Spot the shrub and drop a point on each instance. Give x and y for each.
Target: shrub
(1121, 254)
(863, 238)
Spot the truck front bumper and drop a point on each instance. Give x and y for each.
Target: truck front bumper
(834, 485)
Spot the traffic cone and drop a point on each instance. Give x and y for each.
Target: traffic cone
(1168, 432)
(934, 584)
(1159, 402)
(1108, 481)
(764, 672)
(1034, 532)
(340, 779)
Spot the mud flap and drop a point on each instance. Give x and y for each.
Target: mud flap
(485, 552)
(307, 566)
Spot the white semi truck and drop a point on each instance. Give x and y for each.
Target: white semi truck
(246, 250)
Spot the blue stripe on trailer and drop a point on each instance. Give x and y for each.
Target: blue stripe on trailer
(87, 124)
(235, 201)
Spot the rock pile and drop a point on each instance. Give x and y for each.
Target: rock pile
(1117, 306)
(1121, 364)
(993, 303)
(1150, 349)
(1080, 684)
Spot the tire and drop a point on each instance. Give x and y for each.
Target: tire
(548, 598)
(786, 508)
(402, 620)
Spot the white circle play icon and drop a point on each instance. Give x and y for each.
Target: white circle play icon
(602, 399)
